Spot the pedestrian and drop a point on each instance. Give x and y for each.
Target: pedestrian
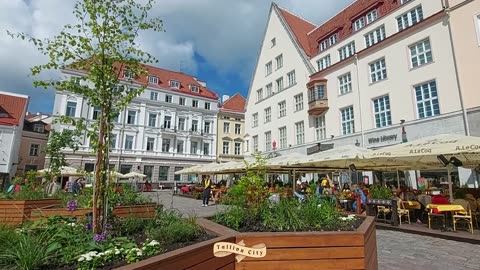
(207, 185)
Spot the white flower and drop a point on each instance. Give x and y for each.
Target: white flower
(139, 253)
(89, 258)
(81, 259)
(117, 251)
(143, 248)
(108, 252)
(154, 243)
(100, 254)
(343, 218)
(72, 224)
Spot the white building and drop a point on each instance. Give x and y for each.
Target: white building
(12, 113)
(358, 78)
(171, 125)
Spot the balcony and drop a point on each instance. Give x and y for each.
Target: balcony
(317, 97)
(318, 107)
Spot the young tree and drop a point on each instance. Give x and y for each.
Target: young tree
(101, 46)
(57, 142)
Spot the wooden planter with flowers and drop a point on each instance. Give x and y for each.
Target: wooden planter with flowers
(135, 211)
(16, 212)
(79, 214)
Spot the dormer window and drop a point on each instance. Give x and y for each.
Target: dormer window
(372, 16)
(128, 74)
(175, 84)
(38, 128)
(195, 88)
(365, 19)
(327, 42)
(359, 24)
(152, 79)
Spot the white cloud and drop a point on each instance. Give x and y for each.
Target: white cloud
(226, 33)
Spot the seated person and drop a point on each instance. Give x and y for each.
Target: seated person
(438, 198)
(363, 198)
(346, 187)
(300, 191)
(474, 204)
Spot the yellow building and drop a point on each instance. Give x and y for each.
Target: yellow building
(231, 129)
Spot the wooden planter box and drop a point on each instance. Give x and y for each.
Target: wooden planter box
(15, 212)
(79, 214)
(137, 211)
(295, 250)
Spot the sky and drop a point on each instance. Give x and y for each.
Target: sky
(215, 40)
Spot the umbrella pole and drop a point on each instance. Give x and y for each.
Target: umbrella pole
(450, 188)
(293, 180)
(398, 179)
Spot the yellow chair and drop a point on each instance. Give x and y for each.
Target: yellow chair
(382, 210)
(402, 211)
(457, 217)
(432, 215)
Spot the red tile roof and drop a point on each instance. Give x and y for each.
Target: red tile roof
(12, 109)
(300, 28)
(234, 104)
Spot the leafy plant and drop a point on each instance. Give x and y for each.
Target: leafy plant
(171, 228)
(380, 192)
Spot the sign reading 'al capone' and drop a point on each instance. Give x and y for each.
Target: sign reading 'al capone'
(223, 249)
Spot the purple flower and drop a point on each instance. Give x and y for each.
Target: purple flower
(108, 226)
(88, 226)
(100, 237)
(72, 205)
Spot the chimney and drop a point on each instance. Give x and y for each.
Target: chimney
(225, 98)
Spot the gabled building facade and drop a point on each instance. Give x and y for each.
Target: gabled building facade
(231, 129)
(375, 69)
(171, 125)
(12, 114)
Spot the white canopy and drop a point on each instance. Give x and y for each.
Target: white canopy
(337, 158)
(134, 175)
(285, 160)
(65, 171)
(189, 170)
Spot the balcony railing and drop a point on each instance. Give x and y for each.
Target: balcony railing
(318, 106)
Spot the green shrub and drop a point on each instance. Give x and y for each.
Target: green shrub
(171, 228)
(233, 217)
(380, 192)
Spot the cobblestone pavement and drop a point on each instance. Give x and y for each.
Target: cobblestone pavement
(404, 251)
(186, 206)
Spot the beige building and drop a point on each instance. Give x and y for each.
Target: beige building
(231, 129)
(35, 132)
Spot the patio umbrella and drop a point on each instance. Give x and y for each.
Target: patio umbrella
(337, 158)
(134, 175)
(287, 159)
(189, 170)
(65, 171)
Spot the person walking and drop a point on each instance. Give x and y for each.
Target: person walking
(207, 185)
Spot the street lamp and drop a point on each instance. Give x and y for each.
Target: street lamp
(357, 144)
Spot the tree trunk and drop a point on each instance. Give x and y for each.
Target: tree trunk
(99, 185)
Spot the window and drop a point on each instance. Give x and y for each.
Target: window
(238, 129)
(268, 141)
(381, 108)
(279, 61)
(372, 16)
(255, 143)
(291, 78)
(31, 167)
(163, 173)
(345, 83)
(323, 45)
(359, 24)
(128, 74)
(347, 50)
(194, 88)
(427, 99)
(168, 98)
(193, 148)
(167, 121)
(181, 123)
(207, 106)
(152, 120)
(226, 148)
(39, 128)
(150, 144)
(283, 137)
(152, 80)
(378, 71)
(96, 113)
(113, 141)
(477, 24)
(89, 167)
(34, 149)
(131, 115)
(180, 147)
(332, 39)
(195, 103)
(247, 146)
(348, 123)
(206, 127)
(165, 145)
(375, 36)
(259, 94)
(195, 125)
(300, 132)
(273, 42)
(268, 114)
(124, 168)
(324, 62)
(282, 109)
(279, 84)
(177, 177)
(71, 108)
(206, 149)
(268, 68)
(320, 130)
(181, 101)
(238, 146)
(128, 142)
(298, 102)
(148, 170)
(316, 93)
(153, 95)
(268, 89)
(410, 18)
(421, 53)
(174, 84)
(226, 127)
(255, 120)
(404, 1)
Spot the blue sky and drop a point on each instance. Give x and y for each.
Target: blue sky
(215, 40)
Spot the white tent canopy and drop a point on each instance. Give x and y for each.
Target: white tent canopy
(285, 160)
(134, 175)
(336, 158)
(65, 171)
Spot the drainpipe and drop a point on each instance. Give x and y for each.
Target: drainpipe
(460, 95)
(359, 101)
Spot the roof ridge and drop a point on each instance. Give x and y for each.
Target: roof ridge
(327, 20)
(298, 16)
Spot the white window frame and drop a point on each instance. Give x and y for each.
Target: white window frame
(332, 39)
(238, 129)
(206, 149)
(371, 16)
(206, 127)
(409, 18)
(347, 51)
(347, 120)
(255, 120)
(182, 148)
(381, 111)
(323, 45)
(268, 89)
(268, 68)
(378, 70)
(427, 99)
(39, 128)
(153, 95)
(134, 117)
(476, 21)
(299, 132)
(255, 143)
(182, 101)
(237, 148)
(181, 123)
(420, 53)
(324, 62)
(195, 103)
(174, 84)
(298, 102)
(291, 78)
(207, 106)
(194, 125)
(167, 121)
(150, 142)
(71, 110)
(279, 84)
(226, 127)
(279, 62)
(166, 142)
(359, 24)
(282, 109)
(152, 79)
(268, 114)
(34, 150)
(168, 98)
(226, 148)
(282, 134)
(194, 88)
(150, 117)
(345, 83)
(260, 94)
(375, 36)
(320, 128)
(113, 141)
(268, 141)
(130, 146)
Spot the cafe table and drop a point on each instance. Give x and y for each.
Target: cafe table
(447, 208)
(412, 205)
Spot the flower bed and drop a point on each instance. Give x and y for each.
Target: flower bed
(15, 212)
